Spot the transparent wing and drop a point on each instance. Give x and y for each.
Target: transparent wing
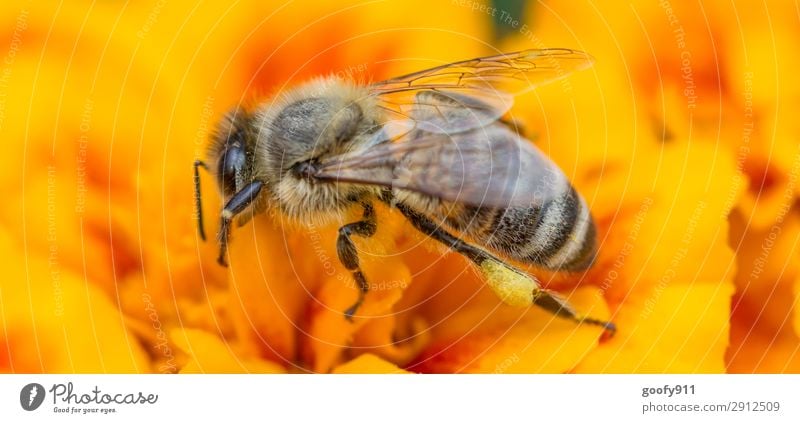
(469, 94)
(490, 166)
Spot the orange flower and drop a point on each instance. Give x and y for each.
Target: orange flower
(105, 129)
(713, 74)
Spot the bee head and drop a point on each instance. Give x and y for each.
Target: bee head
(232, 152)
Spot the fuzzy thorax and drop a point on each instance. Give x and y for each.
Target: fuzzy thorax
(315, 203)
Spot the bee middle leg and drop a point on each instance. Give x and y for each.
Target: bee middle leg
(348, 254)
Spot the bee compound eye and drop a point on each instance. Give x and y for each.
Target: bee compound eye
(230, 169)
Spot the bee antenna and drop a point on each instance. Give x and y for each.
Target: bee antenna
(197, 197)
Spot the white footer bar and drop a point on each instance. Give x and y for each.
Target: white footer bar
(400, 398)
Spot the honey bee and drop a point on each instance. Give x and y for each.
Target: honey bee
(432, 145)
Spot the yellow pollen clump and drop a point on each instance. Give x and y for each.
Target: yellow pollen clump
(514, 288)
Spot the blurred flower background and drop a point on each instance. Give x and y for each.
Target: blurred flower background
(683, 138)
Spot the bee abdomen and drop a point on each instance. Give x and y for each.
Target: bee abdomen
(559, 235)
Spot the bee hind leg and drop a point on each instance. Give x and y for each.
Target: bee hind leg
(553, 303)
(348, 254)
(430, 228)
(543, 298)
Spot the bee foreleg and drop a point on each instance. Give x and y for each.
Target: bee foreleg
(348, 254)
(234, 206)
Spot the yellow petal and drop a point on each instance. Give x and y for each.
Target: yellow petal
(210, 354)
(672, 329)
(504, 339)
(367, 363)
(55, 322)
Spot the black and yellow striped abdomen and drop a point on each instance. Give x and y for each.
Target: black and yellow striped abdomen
(558, 235)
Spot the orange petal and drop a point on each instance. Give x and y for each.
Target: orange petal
(796, 308)
(762, 338)
(383, 337)
(329, 332)
(273, 275)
